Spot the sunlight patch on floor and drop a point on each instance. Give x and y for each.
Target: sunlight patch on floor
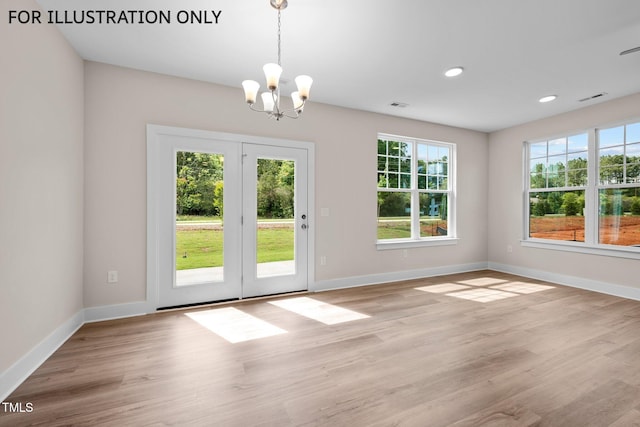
(443, 288)
(482, 295)
(482, 281)
(317, 310)
(522, 287)
(484, 289)
(234, 325)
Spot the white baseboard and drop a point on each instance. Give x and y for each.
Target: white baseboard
(573, 281)
(117, 311)
(27, 364)
(396, 276)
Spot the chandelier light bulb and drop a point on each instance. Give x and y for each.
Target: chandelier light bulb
(251, 88)
(272, 73)
(268, 101)
(304, 86)
(298, 103)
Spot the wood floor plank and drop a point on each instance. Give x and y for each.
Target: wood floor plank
(554, 356)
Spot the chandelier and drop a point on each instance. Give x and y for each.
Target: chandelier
(271, 99)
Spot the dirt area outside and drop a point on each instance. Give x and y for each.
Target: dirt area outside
(614, 230)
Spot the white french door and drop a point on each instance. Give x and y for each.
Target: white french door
(229, 218)
(261, 274)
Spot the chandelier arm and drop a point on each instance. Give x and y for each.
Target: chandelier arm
(251, 106)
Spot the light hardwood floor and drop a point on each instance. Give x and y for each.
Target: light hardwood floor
(556, 357)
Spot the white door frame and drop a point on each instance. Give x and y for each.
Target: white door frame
(252, 284)
(155, 135)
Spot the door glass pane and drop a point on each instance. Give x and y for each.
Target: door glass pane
(199, 218)
(275, 226)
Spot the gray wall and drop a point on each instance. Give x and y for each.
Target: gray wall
(41, 183)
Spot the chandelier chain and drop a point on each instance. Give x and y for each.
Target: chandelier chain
(279, 30)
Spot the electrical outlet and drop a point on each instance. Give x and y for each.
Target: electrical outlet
(112, 276)
(509, 248)
(323, 260)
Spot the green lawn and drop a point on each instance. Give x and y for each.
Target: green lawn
(203, 248)
(402, 229)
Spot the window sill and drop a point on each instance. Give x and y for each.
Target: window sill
(382, 245)
(631, 252)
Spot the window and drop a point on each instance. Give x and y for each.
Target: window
(415, 190)
(585, 188)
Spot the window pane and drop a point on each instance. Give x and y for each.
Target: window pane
(612, 175)
(538, 165)
(393, 180)
(433, 215)
(577, 166)
(633, 133)
(633, 173)
(443, 154)
(633, 153)
(405, 165)
(382, 163)
(394, 215)
(619, 219)
(554, 180)
(393, 164)
(405, 149)
(442, 183)
(422, 166)
(538, 180)
(422, 153)
(577, 178)
(612, 156)
(422, 182)
(433, 152)
(557, 215)
(578, 143)
(538, 150)
(558, 146)
(382, 147)
(405, 181)
(393, 148)
(611, 137)
(556, 164)
(432, 183)
(383, 180)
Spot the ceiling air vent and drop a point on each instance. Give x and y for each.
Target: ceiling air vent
(596, 96)
(399, 104)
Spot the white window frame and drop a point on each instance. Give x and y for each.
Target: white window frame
(415, 240)
(592, 205)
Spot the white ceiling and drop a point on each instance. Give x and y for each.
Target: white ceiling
(366, 54)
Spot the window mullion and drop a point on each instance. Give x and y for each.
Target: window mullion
(415, 196)
(591, 193)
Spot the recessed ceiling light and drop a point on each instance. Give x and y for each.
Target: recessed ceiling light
(547, 98)
(453, 72)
